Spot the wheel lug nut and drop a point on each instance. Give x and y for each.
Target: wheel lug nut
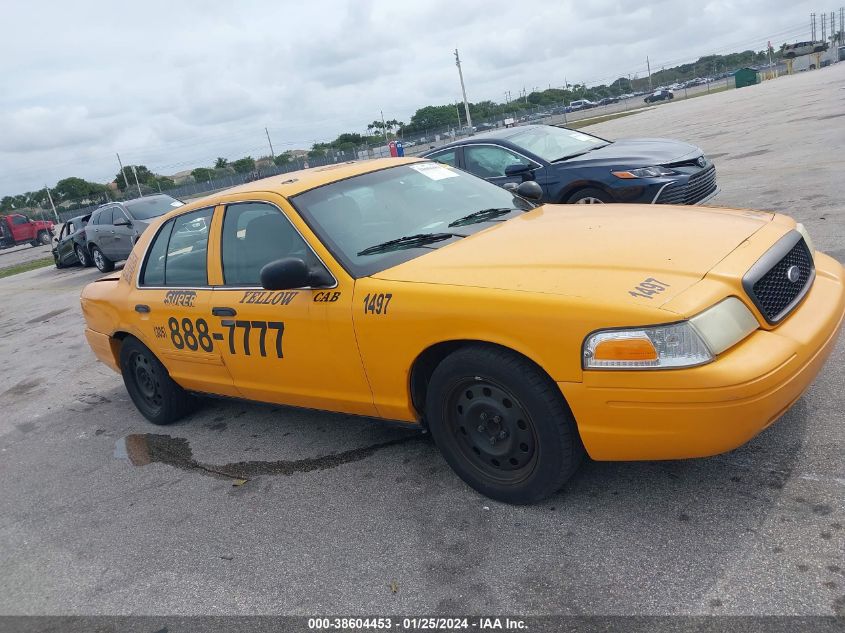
(483, 416)
(493, 440)
(503, 434)
(497, 419)
(482, 428)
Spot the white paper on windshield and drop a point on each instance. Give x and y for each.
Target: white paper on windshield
(581, 137)
(177, 204)
(434, 171)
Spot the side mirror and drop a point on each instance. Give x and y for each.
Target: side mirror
(517, 169)
(122, 222)
(530, 190)
(292, 272)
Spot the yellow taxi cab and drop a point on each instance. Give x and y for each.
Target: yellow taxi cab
(521, 336)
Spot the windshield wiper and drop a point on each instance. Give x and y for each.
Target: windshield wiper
(483, 215)
(592, 149)
(407, 241)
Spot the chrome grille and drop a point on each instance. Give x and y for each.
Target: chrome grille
(698, 187)
(768, 283)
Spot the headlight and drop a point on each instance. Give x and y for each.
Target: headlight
(645, 172)
(807, 239)
(685, 344)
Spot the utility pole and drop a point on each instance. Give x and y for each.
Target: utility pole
(52, 206)
(272, 153)
(648, 65)
(813, 26)
(463, 90)
(384, 128)
(136, 181)
(125, 179)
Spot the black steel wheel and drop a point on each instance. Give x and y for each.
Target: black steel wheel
(502, 424)
(492, 429)
(157, 396)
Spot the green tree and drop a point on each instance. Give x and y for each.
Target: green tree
(244, 165)
(202, 174)
(221, 163)
(77, 188)
(282, 159)
(162, 183)
(127, 178)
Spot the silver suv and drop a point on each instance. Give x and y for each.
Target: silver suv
(115, 227)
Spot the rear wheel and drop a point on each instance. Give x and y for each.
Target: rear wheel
(589, 196)
(103, 263)
(157, 396)
(502, 424)
(82, 256)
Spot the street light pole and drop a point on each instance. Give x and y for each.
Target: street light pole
(384, 128)
(136, 181)
(272, 153)
(125, 179)
(463, 90)
(52, 206)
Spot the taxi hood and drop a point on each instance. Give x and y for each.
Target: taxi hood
(591, 251)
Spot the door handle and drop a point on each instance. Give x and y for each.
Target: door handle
(142, 308)
(221, 312)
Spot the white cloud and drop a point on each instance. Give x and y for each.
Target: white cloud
(175, 84)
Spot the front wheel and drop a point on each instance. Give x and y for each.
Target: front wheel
(502, 424)
(103, 263)
(157, 396)
(589, 196)
(44, 238)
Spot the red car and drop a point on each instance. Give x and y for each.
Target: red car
(17, 229)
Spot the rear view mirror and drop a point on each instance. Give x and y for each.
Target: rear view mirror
(530, 190)
(292, 272)
(284, 274)
(517, 169)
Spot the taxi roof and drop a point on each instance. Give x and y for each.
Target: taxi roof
(295, 182)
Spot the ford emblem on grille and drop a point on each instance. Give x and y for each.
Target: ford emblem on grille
(793, 273)
(701, 161)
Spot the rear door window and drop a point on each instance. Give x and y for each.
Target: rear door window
(178, 255)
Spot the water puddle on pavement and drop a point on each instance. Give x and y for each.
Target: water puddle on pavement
(147, 448)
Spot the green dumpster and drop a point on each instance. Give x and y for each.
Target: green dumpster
(746, 77)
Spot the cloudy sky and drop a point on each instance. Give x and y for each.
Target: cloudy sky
(175, 84)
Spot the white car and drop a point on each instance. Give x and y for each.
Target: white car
(791, 51)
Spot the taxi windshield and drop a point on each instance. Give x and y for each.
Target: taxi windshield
(380, 219)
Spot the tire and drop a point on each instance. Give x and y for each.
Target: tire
(83, 256)
(58, 262)
(155, 394)
(34, 243)
(103, 263)
(502, 424)
(589, 196)
(44, 238)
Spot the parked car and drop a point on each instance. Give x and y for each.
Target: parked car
(791, 51)
(575, 167)
(608, 101)
(659, 95)
(16, 229)
(115, 227)
(521, 338)
(581, 104)
(70, 246)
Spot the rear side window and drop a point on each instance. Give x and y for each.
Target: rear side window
(178, 255)
(19, 219)
(105, 216)
(448, 157)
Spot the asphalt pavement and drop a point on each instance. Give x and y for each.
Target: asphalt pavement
(251, 509)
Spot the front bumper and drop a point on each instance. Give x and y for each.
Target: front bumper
(706, 410)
